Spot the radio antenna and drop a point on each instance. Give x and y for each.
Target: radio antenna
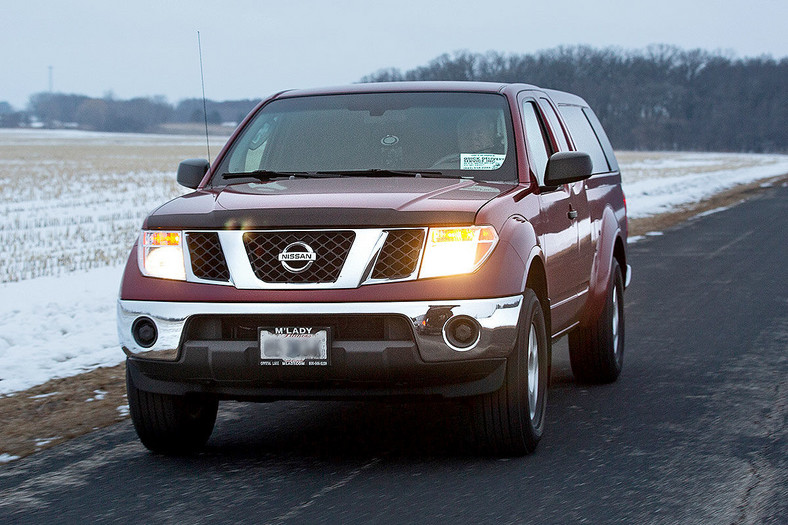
(204, 105)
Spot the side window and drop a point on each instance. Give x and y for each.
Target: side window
(535, 136)
(602, 136)
(584, 137)
(555, 124)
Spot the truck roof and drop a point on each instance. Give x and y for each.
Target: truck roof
(383, 87)
(559, 97)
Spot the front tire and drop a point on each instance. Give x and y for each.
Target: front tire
(170, 424)
(510, 421)
(596, 352)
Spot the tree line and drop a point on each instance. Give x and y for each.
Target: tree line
(660, 98)
(55, 110)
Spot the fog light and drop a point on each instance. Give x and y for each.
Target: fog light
(461, 333)
(144, 332)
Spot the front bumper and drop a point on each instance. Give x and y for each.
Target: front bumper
(423, 361)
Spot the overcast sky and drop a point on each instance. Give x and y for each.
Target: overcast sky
(254, 48)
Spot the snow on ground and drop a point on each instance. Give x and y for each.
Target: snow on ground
(57, 306)
(28, 136)
(57, 327)
(656, 183)
(7, 458)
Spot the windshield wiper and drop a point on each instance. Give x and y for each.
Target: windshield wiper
(270, 175)
(374, 172)
(378, 172)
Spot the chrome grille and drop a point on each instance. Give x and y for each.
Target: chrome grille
(206, 256)
(400, 254)
(330, 247)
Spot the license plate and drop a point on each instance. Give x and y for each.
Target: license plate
(294, 345)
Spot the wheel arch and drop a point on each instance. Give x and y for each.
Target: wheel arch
(521, 235)
(536, 280)
(620, 254)
(610, 247)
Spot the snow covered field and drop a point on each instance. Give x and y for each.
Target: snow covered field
(72, 203)
(659, 182)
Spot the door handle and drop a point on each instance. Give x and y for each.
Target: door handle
(572, 214)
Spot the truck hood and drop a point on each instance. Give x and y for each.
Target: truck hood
(335, 202)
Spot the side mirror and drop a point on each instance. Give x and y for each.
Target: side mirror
(191, 172)
(567, 166)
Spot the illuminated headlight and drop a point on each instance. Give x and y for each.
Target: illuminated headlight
(453, 251)
(162, 255)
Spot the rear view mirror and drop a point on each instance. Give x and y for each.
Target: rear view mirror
(567, 166)
(191, 172)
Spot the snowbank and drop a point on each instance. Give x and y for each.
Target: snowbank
(57, 327)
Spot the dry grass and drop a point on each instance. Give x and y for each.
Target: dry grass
(61, 409)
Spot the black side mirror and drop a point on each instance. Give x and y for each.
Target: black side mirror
(191, 172)
(567, 166)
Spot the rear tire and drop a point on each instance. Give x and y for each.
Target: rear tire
(510, 421)
(596, 352)
(169, 424)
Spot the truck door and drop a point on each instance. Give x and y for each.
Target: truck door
(560, 209)
(579, 199)
(605, 184)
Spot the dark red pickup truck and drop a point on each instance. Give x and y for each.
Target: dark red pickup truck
(382, 240)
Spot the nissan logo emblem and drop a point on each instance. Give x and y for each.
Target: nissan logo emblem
(297, 257)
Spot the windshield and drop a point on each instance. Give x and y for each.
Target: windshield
(465, 135)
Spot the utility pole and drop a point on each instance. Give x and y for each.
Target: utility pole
(50, 79)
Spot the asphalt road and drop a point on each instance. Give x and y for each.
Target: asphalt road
(694, 431)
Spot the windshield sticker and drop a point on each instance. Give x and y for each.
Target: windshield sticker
(481, 161)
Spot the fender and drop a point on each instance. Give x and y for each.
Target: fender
(601, 267)
(521, 235)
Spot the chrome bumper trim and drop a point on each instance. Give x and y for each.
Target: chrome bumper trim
(497, 317)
